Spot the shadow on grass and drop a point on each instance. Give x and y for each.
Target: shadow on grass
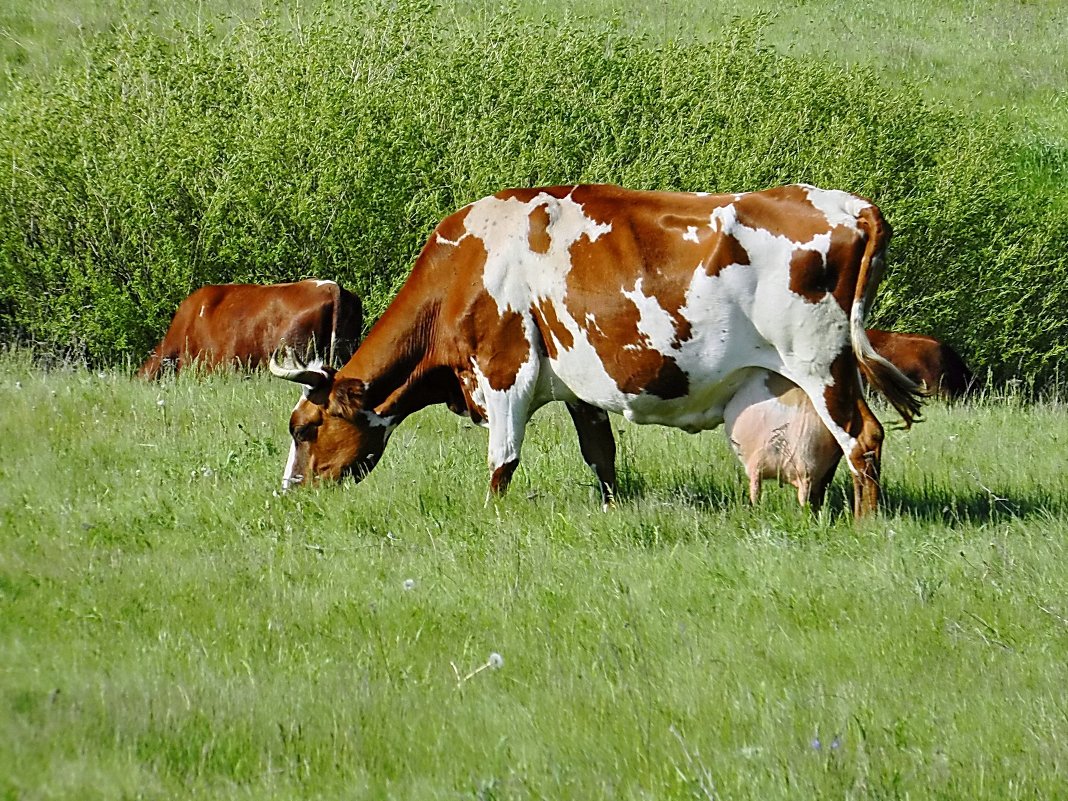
(944, 506)
(939, 505)
(931, 504)
(706, 492)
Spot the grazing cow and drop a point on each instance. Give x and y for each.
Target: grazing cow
(244, 324)
(927, 361)
(655, 305)
(775, 432)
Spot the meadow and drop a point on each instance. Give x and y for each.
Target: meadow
(173, 626)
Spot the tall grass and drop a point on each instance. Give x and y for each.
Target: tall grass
(270, 150)
(172, 627)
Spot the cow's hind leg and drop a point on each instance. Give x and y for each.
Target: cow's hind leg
(842, 408)
(597, 444)
(865, 462)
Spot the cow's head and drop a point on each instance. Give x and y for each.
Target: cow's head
(334, 436)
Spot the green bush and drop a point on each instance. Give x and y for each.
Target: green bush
(330, 148)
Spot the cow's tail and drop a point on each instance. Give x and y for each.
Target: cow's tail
(904, 394)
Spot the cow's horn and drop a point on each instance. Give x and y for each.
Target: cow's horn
(293, 370)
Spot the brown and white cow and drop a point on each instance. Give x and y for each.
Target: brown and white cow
(244, 324)
(654, 305)
(927, 361)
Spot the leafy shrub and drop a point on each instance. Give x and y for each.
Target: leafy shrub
(330, 148)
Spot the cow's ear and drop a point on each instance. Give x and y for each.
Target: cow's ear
(346, 398)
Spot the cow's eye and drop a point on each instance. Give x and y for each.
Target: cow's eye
(305, 433)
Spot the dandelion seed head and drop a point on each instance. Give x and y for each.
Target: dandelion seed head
(496, 661)
(409, 584)
(816, 744)
(161, 402)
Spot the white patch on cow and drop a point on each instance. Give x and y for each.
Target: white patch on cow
(324, 282)
(507, 411)
(454, 242)
(691, 234)
(723, 218)
(840, 208)
(375, 420)
(654, 324)
(202, 308)
(514, 274)
(289, 478)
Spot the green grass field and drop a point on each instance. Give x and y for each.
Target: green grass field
(173, 627)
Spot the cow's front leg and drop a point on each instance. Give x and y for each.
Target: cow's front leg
(507, 425)
(507, 413)
(597, 444)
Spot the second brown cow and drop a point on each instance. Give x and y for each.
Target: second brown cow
(244, 324)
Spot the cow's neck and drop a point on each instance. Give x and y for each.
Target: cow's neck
(396, 362)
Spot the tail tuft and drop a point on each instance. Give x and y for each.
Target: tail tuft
(904, 394)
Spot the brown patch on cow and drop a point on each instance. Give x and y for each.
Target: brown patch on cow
(645, 244)
(538, 238)
(808, 275)
(500, 362)
(785, 211)
(725, 250)
(843, 262)
(621, 346)
(670, 381)
(841, 395)
(553, 332)
(452, 228)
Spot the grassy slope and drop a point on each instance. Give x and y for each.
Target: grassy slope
(171, 626)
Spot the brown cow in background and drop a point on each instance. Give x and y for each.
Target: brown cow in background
(244, 324)
(926, 361)
(775, 432)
